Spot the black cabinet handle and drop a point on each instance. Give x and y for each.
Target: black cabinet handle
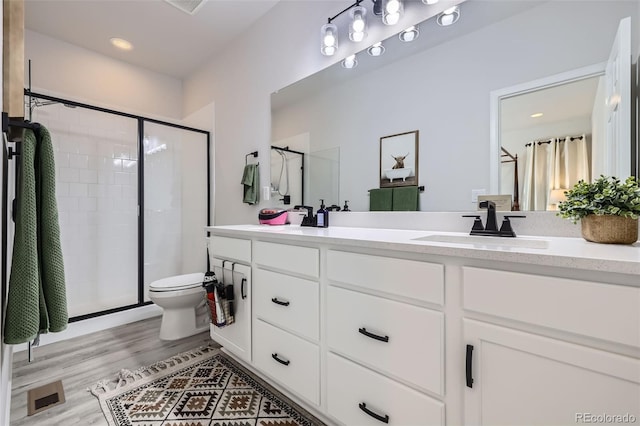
(242, 293)
(373, 336)
(281, 361)
(376, 416)
(469, 372)
(279, 302)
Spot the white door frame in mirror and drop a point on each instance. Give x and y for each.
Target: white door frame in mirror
(496, 96)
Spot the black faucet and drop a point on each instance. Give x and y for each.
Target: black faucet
(309, 219)
(491, 227)
(491, 224)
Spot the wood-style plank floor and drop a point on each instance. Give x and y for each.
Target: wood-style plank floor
(81, 362)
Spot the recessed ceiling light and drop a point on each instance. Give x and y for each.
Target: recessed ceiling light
(536, 115)
(121, 43)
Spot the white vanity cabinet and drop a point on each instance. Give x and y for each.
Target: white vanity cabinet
(230, 259)
(386, 358)
(355, 326)
(539, 378)
(286, 324)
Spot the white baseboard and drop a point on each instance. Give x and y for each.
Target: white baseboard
(92, 325)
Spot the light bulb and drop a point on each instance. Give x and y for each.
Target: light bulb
(391, 19)
(358, 24)
(409, 34)
(376, 49)
(329, 39)
(329, 34)
(446, 20)
(393, 6)
(350, 62)
(449, 16)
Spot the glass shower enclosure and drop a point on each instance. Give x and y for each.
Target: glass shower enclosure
(133, 200)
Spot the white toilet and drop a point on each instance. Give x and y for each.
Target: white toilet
(180, 297)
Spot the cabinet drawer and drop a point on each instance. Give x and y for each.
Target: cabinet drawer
(414, 350)
(302, 372)
(230, 248)
(603, 311)
(300, 260)
(350, 385)
(417, 280)
(287, 301)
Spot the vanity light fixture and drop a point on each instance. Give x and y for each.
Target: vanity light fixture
(536, 115)
(358, 25)
(350, 62)
(121, 43)
(329, 34)
(376, 49)
(448, 17)
(409, 34)
(391, 11)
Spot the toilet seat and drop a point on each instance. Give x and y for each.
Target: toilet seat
(179, 282)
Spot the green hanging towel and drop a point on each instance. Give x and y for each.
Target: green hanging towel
(37, 301)
(380, 200)
(405, 198)
(251, 183)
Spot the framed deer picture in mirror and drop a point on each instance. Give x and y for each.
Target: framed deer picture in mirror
(399, 160)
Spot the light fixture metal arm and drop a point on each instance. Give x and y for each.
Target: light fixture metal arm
(357, 3)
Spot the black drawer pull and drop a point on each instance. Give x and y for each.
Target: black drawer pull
(378, 417)
(281, 361)
(242, 293)
(373, 336)
(469, 372)
(279, 302)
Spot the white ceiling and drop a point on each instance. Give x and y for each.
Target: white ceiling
(558, 104)
(165, 39)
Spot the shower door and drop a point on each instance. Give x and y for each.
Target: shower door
(175, 201)
(133, 201)
(96, 157)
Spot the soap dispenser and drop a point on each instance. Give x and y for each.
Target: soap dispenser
(322, 216)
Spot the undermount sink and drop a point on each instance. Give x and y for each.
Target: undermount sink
(506, 242)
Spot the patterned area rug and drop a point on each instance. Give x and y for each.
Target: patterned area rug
(197, 388)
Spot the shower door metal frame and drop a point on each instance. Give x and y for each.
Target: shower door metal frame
(140, 123)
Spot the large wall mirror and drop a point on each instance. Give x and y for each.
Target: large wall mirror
(441, 85)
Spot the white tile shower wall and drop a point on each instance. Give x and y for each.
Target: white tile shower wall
(97, 203)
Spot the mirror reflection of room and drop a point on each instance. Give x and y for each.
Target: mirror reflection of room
(548, 134)
(442, 88)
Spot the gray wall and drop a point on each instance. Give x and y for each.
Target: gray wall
(280, 49)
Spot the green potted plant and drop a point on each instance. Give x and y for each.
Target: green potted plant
(607, 208)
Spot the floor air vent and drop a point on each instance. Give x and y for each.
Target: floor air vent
(44, 397)
(187, 6)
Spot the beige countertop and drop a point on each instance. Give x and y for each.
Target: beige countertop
(562, 252)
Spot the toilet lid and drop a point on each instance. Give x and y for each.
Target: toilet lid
(178, 282)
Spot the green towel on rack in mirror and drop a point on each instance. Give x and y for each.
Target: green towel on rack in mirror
(36, 301)
(405, 198)
(380, 200)
(251, 183)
